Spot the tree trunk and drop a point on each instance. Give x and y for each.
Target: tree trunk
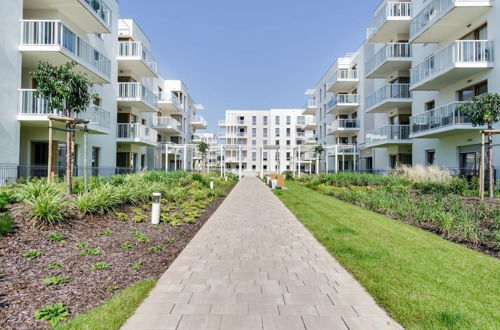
(490, 163)
(68, 159)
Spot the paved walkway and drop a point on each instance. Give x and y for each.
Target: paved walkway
(253, 265)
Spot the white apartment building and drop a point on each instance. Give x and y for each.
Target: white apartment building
(419, 61)
(266, 140)
(135, 110)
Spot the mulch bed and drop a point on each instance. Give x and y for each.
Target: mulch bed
(21, 288)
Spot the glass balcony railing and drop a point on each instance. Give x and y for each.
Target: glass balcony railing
(100, 9)
(198, 121)
(345, 124)
(166, 122)
(343, 99)
(390, 133)
(390, 52)
(387, 93)
(390, 10)
(137, 133)
(441, 117)
(136, 50)
(462, 52)
(134, 91)
(42, 33)
(306, 121)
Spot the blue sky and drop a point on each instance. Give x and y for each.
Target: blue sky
(249, 54)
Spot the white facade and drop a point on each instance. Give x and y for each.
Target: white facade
(267, 140)
(420, 59)
(135, 110)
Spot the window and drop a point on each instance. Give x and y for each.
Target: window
(288, 156)
(288, 131)
(287, 142)
(277, 142)
(430, 156)
(264, 120)
(254, 142)
(277, 120)
(288, 120)
(264, 156)
(254, 120)
(254, 167)
(277, 131)
(264, 142)
(254, 132)
(254, 156)
(265, 132)
(468, 93)
(430, 105)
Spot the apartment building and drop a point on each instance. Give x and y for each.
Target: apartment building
(266, 140)
(134, 112)
(419, 61)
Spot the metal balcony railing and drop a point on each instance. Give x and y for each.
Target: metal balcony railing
(391, 10)
(388, 133)
(458, 52)
(55, 33)
(136, 50)
(102, 10)
(392, 51)
(134, 91)
(387, 93)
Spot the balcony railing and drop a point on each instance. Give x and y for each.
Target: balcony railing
(306, 121)
(346, 149)
(391, 10)
(233, 135)
(199, 120)
(231, 122)
(345, 124)
(170, 98)
(100, 8)
(343, 99)
(55, 33)
(136, 50)
(32, 105)
(166, 122)
(136, 133)
(134, 91)
(459, 52)
(387, 93)
(444, 116)
(433, 12)
(311, 104)
(391, 51)
(388, 133)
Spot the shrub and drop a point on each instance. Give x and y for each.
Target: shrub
(32, 254)
(46, 201)
(6, 224)
(52, 313)
(420, 173)
(4, 200)
(101, 200)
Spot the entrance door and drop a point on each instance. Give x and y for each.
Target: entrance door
(39, 160)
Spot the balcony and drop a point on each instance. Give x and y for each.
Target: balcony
(232, 122)
(198, 122)
(306, 123)
(388, 136)
(307, 138)
(443, 121)
(344, 81)
(92, 16)
(343, 103)
(138, 134)
(169, 103)
(136, 95)
(310, 107)
(197, 139)
(344, 127)
(458, 60)
(53, 42)
(346, 149)
(390, 20)
(167, 125)
(233, 135)
(134, 57)
(391, 58)
(34, 112)
(442, 18)
(389, 97)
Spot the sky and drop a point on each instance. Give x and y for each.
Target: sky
(249, 54)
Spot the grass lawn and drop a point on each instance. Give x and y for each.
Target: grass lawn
(113, 313)
(421, 280)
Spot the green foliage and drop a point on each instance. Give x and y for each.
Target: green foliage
(56, 280)
(32, 254)
(81, 245)
(6, 224)
(127, 245)
(121, 216)
(156, 227)
(99, 265)
(140, 237)
(483, 110)
(52, 313)
(107, 233)
(170, 239)
(4, 200)
(137, 265)
(90, 252)
(55, 265)
(45, 200)
(113, 287)
(100, 200)
(54, 238)
(156, 248)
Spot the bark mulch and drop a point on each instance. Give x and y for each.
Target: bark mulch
(22, 291)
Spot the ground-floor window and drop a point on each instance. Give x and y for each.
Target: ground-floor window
(430, 156)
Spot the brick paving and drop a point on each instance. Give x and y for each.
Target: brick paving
(253, 265)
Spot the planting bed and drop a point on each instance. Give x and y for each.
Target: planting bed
(127, 252)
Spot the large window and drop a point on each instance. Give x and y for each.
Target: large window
(430, 157)
(468, 93)
(254, 132)
(277, 131)
(254, 120)
(264, 120)
(265, 132)
(277, 120)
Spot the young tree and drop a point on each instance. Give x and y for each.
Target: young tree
(203, 149)
(484, 110)
(318, 150)
(69, 92)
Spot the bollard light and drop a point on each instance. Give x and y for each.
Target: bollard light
(225, 178)
(155, 211)
(212, 183)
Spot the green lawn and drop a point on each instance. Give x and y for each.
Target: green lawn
(113, 313)
(421, 280)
